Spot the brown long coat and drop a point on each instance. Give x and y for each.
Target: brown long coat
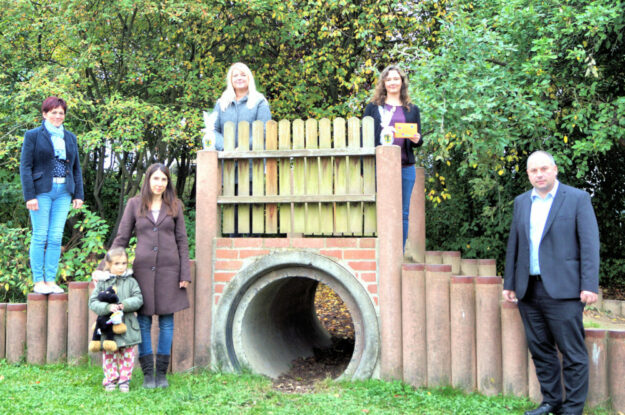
(161, 258)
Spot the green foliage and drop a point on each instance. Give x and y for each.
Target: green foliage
(506, 78)
(14, 264)
(81, 254)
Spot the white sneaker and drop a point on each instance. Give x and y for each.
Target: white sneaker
(55, 289)
(42, 289)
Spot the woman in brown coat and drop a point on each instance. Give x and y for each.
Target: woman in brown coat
(161, 265)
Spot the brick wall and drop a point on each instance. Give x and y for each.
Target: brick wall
(358, 255)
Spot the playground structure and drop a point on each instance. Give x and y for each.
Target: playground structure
(318, 203)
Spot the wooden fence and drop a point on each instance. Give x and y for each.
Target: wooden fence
(305, 177)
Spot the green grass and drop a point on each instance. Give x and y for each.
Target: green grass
(60, 389)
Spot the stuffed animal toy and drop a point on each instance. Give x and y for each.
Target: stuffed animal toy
(107, 325)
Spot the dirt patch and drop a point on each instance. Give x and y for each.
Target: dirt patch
(594, 318)
(613, 293)
(326, 363)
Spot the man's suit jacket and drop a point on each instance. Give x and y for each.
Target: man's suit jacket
(568, 251)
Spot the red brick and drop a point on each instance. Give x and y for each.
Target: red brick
(372, 288)
(217, 297)
(341, 243)
(335, 253)
(367, 243)
(276, 243)
(246, 253)
(375, 300)
(230, 265)
(307, 243)
(227, 254)
(224, 243)
(223, 276)
(359, 254)
(219, 288)
(248, 242)
(363, 265)
(368, 276)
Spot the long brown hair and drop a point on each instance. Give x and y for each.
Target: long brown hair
(170, 200)
(379, 94)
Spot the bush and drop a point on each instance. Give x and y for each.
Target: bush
(80, 254)
(14, 263)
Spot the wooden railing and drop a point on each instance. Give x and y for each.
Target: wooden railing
(305, 177)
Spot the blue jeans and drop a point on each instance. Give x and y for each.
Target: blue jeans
(48, 224)
(408, 177)
(165, 336)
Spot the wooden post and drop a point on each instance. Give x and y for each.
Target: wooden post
(36, 328)
(16, 332)
(390, 259)
(184, 328)
(95, 358)
(462, 317)
(415, 244)
(488, 337)
(616, 375)
(433, 257)
(486, 268)
(596, 343)
(3, 315)
(438, 324)
(452, 258)
(207, 229)
(413, 325)
(78, 334)
(514, 351)
(57, 328)
(468, 267)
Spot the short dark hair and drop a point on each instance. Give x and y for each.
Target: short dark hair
(51, 103)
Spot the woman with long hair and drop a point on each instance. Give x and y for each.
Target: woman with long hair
(240, 101)
(390, 105)
(161, 265)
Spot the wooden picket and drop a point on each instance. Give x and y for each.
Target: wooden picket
(313, 177)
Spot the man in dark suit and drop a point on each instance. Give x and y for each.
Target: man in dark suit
(552, 270)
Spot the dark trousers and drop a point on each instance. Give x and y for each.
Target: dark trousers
(549, 323)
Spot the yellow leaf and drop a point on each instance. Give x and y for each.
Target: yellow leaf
(500, 172)
(566, 139)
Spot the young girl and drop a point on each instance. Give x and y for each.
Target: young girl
(118, 365)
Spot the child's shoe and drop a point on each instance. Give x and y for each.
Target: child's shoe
(124, 387)
(109, 388)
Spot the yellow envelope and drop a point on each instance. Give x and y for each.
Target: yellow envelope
(406, 129)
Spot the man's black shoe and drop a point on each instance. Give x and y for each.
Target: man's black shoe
(544, 409)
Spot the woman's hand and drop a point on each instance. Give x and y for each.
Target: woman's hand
(416, 138)
(77, 203)
(32, 204)
(184, 284)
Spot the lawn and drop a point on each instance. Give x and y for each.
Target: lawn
(60, 389)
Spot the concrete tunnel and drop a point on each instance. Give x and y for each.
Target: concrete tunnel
(266, 316)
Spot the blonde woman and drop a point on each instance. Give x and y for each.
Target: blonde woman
(239, 102)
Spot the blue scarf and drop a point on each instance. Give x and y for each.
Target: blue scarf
(57, 135)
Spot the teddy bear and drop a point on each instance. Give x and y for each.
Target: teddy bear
(107, 325)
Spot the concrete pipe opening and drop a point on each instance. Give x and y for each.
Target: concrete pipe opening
(266, 317)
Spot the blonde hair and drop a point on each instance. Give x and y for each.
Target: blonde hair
(113, 253)
(379, 94)
(228, 96)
